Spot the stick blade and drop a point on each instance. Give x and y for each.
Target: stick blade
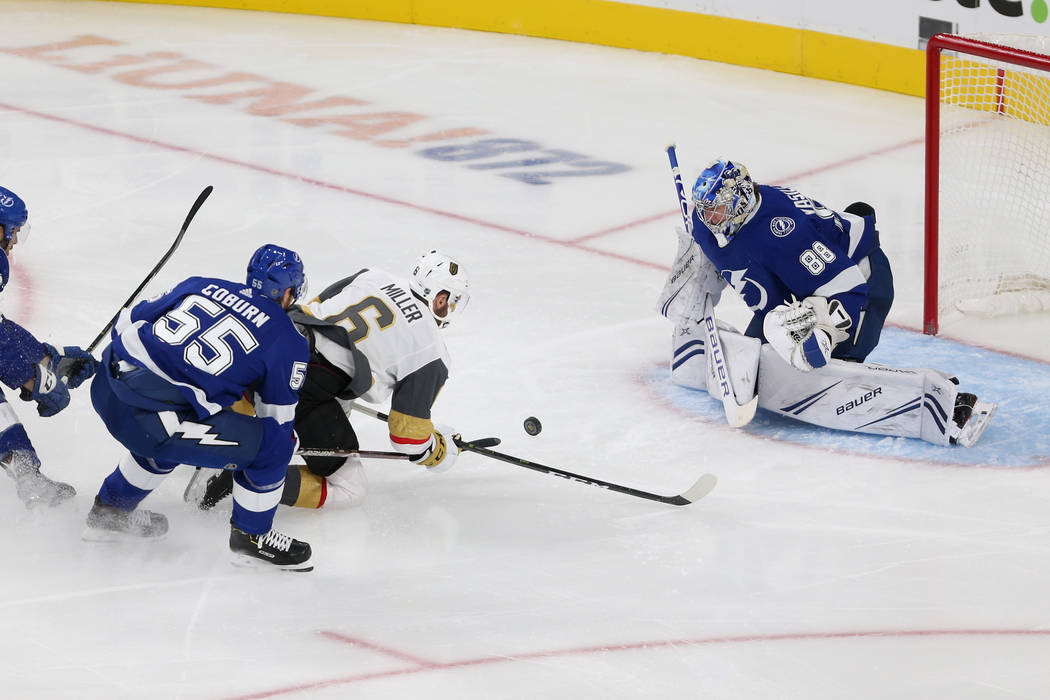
(195, 488)
(739, 415)
(703, 486)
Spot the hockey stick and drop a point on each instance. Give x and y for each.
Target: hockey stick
(156, 268)
(363, 454)
(737, 414)
(698, 490)
(187, 494)
(481, 442)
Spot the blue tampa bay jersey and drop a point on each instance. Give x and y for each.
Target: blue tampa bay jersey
(19, 350)
(792, 246)
(214, 340)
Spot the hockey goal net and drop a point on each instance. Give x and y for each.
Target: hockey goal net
(987, 176)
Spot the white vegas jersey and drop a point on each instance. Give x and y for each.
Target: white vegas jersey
(387, 323)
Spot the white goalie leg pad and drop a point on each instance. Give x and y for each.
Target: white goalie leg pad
(689, 361)
(863, 398)
(348, 485)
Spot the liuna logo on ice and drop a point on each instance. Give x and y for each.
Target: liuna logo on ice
(1037, 10)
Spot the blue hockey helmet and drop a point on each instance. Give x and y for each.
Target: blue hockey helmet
(724, 196)
(274, 269)
(13, 215)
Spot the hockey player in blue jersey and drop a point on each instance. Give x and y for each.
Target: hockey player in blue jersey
(395, 351)
(41, 372)
(174, 367)
(776, 246)
(819, 288)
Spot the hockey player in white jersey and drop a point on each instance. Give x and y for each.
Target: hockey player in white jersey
(374, 336)
(819, 288)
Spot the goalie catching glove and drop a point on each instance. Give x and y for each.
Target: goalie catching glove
(805, 332)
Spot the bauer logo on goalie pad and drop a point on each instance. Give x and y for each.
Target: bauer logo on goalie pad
(718, 365)
(853, 403)
(781, 226)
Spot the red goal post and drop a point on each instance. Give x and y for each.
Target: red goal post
(987, 240)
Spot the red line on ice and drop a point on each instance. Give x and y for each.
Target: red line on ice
(329, 185)
(420, 666)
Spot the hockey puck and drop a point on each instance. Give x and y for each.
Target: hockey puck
(532, 425)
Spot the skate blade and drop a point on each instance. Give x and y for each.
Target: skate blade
(247, 561)
(41, 504)
(975, 427)
(194, 491)
(94, 534)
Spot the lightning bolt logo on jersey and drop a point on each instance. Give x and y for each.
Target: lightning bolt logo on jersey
(190, 431)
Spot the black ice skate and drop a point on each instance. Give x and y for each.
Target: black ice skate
(970, 419)
(273, 549)
(33, 488)
(108, 523)
(208, 492)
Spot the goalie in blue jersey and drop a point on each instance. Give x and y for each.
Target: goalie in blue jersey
(819, 288)
(41, 372)
(165, 386)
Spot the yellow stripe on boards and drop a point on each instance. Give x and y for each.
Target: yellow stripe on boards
(740, 42)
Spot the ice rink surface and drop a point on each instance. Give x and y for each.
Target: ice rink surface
(823, 565)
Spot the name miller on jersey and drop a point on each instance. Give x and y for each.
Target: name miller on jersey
(404, 301)
(237, 304)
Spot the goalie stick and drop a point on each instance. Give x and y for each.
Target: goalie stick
(737, 414)
(698, 490)
(156, 268)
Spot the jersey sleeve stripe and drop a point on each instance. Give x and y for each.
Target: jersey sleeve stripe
(848, 279)
(282, 413)
(856, 230)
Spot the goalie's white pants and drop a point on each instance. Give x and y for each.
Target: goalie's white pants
(864, 398)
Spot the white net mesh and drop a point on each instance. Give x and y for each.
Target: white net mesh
(994, 211)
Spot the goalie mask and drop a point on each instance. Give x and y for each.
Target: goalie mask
(13, 218)
(724, 196)
(434, 273)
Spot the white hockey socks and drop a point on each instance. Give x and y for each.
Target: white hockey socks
(348, 485)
